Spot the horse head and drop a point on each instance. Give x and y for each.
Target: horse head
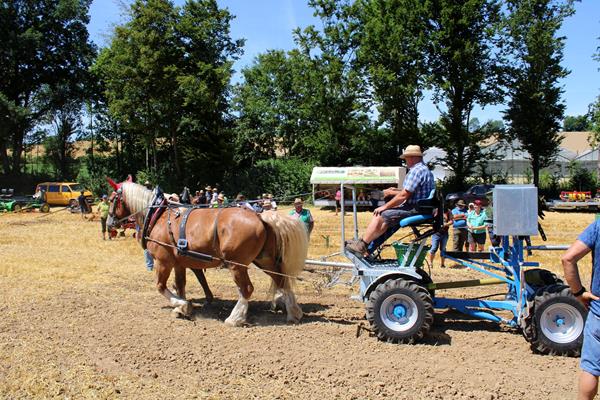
(118, 209)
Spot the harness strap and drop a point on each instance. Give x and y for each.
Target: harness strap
(153, 212)
(182, 243)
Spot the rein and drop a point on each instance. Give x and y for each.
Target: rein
(224, 260)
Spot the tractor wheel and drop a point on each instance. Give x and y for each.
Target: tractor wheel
(555, 322)
(17, 208)
(400, 311)
(538, 277)
(45, 208)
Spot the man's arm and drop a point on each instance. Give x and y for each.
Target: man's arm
(569, 261)
(398, 199)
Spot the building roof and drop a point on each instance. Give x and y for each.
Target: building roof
(576, 142)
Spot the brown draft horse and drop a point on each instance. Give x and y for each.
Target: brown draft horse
(235, 236)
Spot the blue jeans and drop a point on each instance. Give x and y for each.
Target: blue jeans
(149, 260)
(438, 241)
(590, 352)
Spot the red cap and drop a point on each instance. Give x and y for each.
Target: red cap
(478, 202)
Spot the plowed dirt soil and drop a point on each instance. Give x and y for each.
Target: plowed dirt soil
(81, 318)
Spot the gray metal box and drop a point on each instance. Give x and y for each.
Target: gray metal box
(515, 210)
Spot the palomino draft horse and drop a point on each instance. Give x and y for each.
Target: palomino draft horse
(234, 237)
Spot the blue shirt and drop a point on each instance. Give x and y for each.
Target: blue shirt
(419, 182)
(591, 238)
(460, 223)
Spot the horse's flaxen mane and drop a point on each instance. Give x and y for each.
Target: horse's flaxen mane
(137, 197)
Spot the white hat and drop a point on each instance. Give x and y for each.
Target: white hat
(412, 151)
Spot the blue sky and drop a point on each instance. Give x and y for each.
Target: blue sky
(268, 24)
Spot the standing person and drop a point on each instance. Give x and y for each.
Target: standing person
(82, 204)
(215, 195)
(588, 241)
(338, 198)
(147, 257)
(459, 226)
(103, 208)
(208, 195)
(477, 227)
(273, 202)
(440, 239)
(220, 202)
(303, 214)
(267, 206)
(240, 201)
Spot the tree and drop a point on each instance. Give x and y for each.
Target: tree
(306, 102)
(535, 110)
(166, 75)
(392, 50)
(594, 118)
(577, 123)
(45, 53)
(465, 71)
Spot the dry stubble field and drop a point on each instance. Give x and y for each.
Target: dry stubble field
(80, 318)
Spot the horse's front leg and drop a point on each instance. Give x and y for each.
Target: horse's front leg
(240, 311)
(182, 307)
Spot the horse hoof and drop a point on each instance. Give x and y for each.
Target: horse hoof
(234, 322)
(277, 305)
(187, 309)
(295, 316)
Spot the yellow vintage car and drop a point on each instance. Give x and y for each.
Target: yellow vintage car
(63, 193)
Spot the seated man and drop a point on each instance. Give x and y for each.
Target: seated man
(418, 184)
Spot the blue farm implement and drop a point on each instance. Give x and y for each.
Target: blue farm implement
(400, 296)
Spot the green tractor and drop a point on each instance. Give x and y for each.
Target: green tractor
(11, 203)
(7, 201)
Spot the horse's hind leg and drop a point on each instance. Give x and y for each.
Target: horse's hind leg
(285, 295)
(294, 312)
(202, 280)
(163, 271)
(240, 311)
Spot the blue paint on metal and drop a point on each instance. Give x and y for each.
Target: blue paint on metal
(399, 311)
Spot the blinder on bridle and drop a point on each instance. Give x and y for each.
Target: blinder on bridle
(115, 202)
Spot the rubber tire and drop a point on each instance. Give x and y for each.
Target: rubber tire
(544, 298)
(17, 208)
(45, 208)
(424, 307)
(539, 277)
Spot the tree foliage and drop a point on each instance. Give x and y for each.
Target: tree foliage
(166, 75)
(535, 109)
(576, 123)
(45, 53)
(393, 54)
(465, 71)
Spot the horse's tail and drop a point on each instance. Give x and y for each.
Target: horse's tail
(292, 244)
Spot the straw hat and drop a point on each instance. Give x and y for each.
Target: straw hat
(266, 203)
(412, 151)
(220, 197)
(461, 202)
(240, 197)
(208, 188)
(298, 201)
(215, 189)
